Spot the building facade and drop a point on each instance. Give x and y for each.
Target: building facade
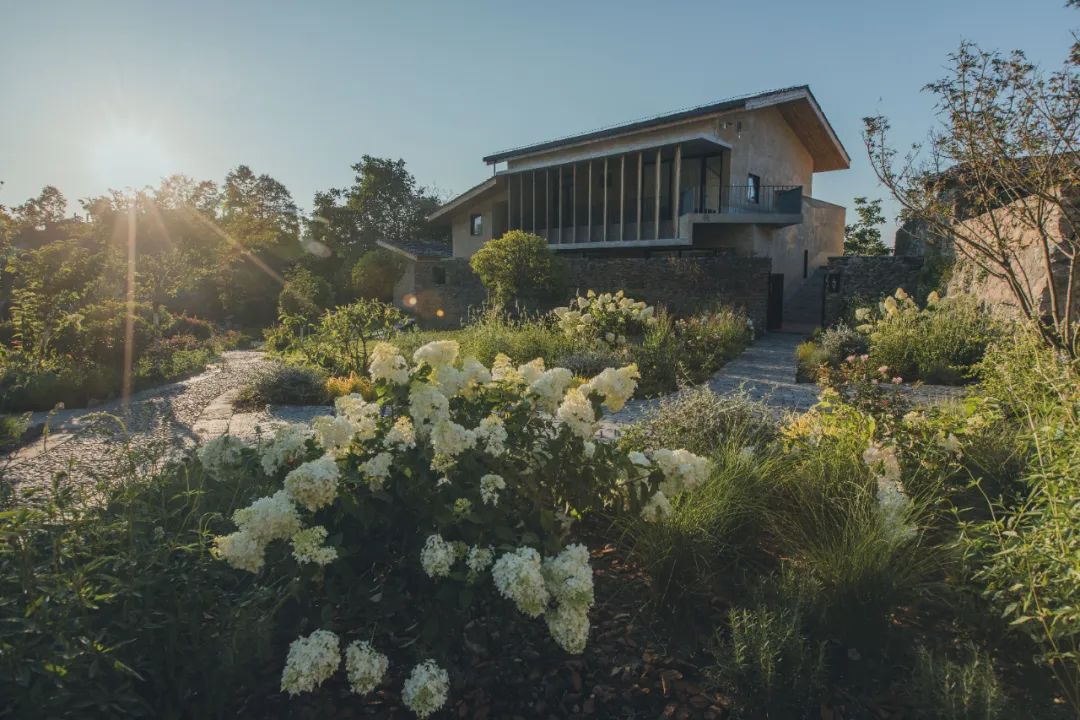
(733, 178)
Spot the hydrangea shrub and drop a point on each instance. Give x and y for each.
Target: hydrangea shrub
(460, 485)
(609, 317)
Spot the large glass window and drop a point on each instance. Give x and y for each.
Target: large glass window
(476, 225)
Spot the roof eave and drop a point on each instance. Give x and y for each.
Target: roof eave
(464, 197)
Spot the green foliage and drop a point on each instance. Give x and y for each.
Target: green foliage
(941, 343)
(956, 690)
(341, 339)
(118, 609)
(304, 294)
(1025, 556)
(765, 657)
(809, 357)
(689, 350)
(285, 385)
(863, 236)
(517, 264)
(376, 272)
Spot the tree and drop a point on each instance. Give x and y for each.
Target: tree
(48, 208)
(304, 294)
(999, 178)
(384, 203)
(376, 272)
(863, 236)
(515, 264)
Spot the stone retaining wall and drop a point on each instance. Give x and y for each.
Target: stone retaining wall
(445, 290)
(853, 277)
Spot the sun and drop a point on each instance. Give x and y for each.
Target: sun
(131, 156)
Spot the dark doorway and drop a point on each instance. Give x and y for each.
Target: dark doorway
(775, 313)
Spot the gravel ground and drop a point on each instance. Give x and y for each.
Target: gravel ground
(87, 445)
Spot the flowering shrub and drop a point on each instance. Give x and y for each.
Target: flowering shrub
(456, 471)
(611, 318)
(941, 342)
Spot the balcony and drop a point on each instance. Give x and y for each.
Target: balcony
(777, 205)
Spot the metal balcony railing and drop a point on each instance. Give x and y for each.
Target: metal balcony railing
(750, 199)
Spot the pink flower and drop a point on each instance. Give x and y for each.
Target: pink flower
(884, 369)
(864, 358)
(897, 380)
(850, 359)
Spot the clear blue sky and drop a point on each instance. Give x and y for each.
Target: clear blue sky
(102, 93)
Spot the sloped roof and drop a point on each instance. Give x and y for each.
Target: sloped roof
(473, 192)
(798, 105)
(418, 249)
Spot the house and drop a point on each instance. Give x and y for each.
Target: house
(729, 179)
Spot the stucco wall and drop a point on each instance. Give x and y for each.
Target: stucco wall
(683, 285)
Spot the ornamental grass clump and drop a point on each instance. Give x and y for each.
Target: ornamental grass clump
(611, 318)
(459, 488)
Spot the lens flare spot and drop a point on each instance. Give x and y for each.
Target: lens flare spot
(410, 300)
(439, 313)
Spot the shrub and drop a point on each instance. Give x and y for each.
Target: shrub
(942, 342)
(809, 357)
(513, 265)
(118, 609)
(340, 386)
(340, 341)
(396, 511)
(765, 658)
(1024, 558)
(284, 385)
(956, 690)
(304, 294)
(608, 318)
(12, 428)
(188, 325)
(842, 341)
(677, 351)
(375, 274)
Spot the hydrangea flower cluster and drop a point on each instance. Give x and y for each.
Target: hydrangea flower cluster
(364, 666)
(466, 453)
(288, 447)
(221, 455)
(311, 662)
(426, 689)
(609, 317)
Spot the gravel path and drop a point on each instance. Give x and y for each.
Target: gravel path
(98, 442)
(765, 373)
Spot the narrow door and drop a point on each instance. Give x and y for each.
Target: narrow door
(775, 314)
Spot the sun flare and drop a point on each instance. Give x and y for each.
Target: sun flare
(131, 156)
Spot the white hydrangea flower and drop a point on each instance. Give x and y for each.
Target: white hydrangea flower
(241, 550)
(269, 518)
(479, 559)
(475, 374)
(503, 370)
(531, 371)
(577, 413)
(683, 470)
(311, 662)
(402, 436)
(569, 627)
(449, 438)
(490, 485)
(376, 471)
(616, 386)
(437, 556)
(388, 364)
(883, 463)
(550, 387)
(363, 415)
(364, 666)
(335, 434)
(288, 446)
(519, 578)
(220, 455)
(492, 434)
(656, 508)
(568, 577)
(425, 689)
(427, 406)
(449, 380)
(308, 546)
(314, 484)
(590, 448)
(437, 354)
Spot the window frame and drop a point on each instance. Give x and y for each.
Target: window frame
(476, 219)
